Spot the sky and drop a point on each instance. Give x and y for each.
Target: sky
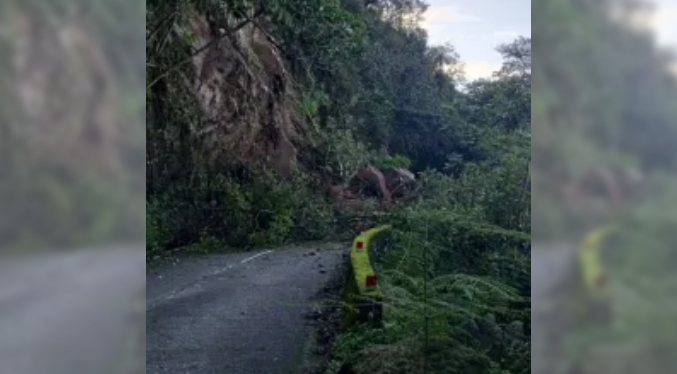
(665, 23)
(476, 27)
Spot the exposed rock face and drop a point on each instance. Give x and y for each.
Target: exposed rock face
(244, 90)
(64, 102)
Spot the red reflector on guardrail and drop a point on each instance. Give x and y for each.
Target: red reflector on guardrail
(360, 245)
(372, 281)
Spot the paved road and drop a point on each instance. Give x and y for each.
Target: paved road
(237, 313)
(71, 313)
(550, 266)
(552, 271)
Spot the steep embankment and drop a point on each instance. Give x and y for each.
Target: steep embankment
(224, 134)
(238, 85)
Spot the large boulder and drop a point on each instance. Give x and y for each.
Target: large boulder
(369, 182)
(400, 182)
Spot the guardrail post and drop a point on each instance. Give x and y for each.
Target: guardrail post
(371, 312)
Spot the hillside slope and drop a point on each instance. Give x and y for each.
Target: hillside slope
(258, 110)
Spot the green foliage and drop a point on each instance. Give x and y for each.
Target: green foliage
(77, 184)
(496, 190)
(638, 261)
(604, 93)
(376, 94)
(391, 162)
(343, 153)
(476, 299)
(157, 235)
(505, 102)
(263, 211)
(437, 231)
(317, 33)
(451, 265)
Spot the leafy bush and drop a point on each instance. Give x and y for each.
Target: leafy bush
(255, 212)
(392, 162)
(467, 280)
(377, 95)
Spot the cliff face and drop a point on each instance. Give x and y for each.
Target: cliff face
(244, 90)
(62, 98)
(71, 141)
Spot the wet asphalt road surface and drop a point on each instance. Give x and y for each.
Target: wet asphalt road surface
(552, 272)
(72, 313)
(237, 313)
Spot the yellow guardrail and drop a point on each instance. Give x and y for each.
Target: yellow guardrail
(363, 292)
(598, 306)
(360, 261)
(594, 276)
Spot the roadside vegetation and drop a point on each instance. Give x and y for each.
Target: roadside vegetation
(71, 146)
(605, 130)
(289, 99)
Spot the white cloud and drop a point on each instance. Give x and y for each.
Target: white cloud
(663, 24)
(446, 15)
(480, 69)
(658, 19)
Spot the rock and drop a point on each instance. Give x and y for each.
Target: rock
(369, 182)
(267, 132)
(400, 182)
